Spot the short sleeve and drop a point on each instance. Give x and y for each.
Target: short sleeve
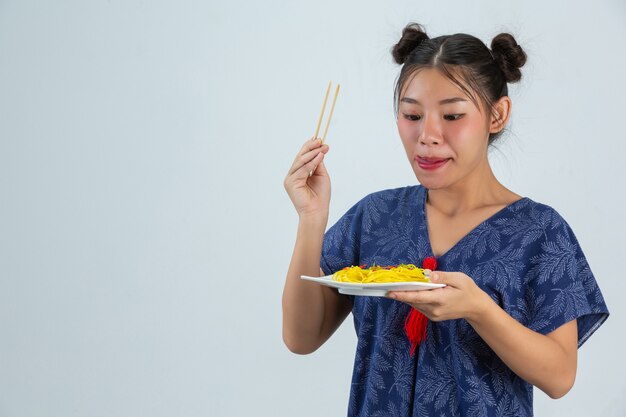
(341, 245)
(561, 285)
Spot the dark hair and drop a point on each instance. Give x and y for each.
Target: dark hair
(485, 72)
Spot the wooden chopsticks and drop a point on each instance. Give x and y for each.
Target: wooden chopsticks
(332, 108)
(319, 122)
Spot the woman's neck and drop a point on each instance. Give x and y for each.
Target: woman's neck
(476, 191)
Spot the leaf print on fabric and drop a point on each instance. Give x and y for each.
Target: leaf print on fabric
(375, 379)
(341, 244)
(403, 376)
(532, 234)
(375, 209)
(589, 283)
(540, 223)
(348, 245)
(502, 271)
(335, 263)
(466, 346)
(510, 407)
(423, 249)
(568, 301)
(465, 355)
(394, 240)
(499, 374)
(527, 309)
(405, 203)
(441, 388)
(475, 243)
(358, 387)
(392, 410)
(479, 395)
(395, 244)
(585, 273)
(388, 321)
(372, 370)
(557, 259)
(528, 229)
(413, 254)
(363, 320)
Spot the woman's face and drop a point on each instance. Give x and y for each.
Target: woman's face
(444, 134)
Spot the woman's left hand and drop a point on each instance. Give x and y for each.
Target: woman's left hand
(460, 298)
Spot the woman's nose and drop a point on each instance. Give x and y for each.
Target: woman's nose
(431, 132)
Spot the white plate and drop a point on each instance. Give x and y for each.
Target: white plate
(374, 289)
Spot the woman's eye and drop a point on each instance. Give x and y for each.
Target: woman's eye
(453, 117)
(411, 117)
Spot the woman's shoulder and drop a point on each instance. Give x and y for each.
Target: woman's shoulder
(529, 216)
(538, 211)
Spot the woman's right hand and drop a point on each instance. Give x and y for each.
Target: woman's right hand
(310, 195)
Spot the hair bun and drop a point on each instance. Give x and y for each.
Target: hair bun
(412, 35)
(509, 56)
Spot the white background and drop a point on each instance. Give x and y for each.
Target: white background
(144, 230)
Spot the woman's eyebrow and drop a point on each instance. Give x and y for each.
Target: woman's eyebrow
(444, 101)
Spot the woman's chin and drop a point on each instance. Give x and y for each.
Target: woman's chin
(431, 183)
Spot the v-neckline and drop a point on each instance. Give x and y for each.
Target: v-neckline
(424, 221)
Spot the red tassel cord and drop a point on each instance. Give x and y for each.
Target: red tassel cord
(416, 323)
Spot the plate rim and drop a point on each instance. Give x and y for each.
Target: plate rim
(327, 280)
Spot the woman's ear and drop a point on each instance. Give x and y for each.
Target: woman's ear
(502, 111)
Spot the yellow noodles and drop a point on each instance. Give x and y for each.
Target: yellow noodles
(378, 274)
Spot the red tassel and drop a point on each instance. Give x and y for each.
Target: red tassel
(416, 323)
(415, 328)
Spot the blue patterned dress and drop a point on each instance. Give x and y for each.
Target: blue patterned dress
(525, 257)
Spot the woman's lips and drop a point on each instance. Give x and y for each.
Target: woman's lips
(430, 164)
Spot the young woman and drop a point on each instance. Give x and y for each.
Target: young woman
(520, 297)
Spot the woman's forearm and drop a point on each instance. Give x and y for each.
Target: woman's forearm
(548, 362)
(311, 312)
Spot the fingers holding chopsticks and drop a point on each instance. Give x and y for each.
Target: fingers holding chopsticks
(310, 194)
(308, 158)
(308, 182)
